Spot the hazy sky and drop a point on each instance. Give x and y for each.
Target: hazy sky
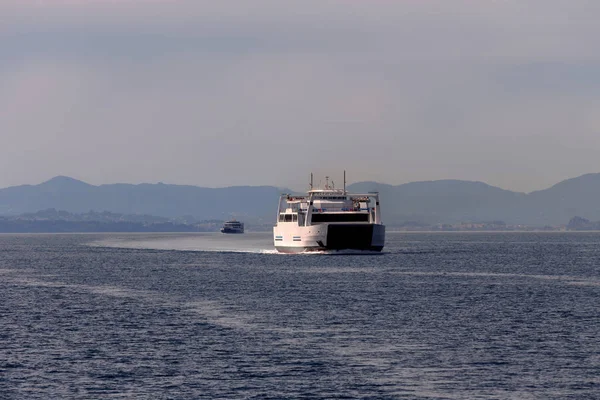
(221, 93)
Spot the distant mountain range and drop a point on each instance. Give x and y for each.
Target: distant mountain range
(431, 202)
(68, 194)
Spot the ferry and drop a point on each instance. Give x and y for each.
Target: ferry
(329, 219)
(233, 226)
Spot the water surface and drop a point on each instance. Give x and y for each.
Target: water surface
(435, 316)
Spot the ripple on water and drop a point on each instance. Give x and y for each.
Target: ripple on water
(438, 316)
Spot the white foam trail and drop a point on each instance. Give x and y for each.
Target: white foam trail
(248, 243)
(253, 243)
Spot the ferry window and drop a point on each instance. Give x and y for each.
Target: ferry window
(281, 218)
(294, 218)
(325, 217)
(288, 217)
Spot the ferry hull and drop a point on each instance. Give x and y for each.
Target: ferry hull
(223, 230)
(332, 237)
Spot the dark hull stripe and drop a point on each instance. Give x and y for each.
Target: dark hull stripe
(350, 236)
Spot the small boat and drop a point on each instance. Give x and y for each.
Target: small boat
(233, 226)
(329, 219)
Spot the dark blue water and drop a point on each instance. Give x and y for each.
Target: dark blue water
(437, 316)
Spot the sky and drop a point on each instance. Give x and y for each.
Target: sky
(264, 92)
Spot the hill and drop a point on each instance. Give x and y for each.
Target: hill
(64, 193)
(452, 201)
(443, 201)
(428, 202)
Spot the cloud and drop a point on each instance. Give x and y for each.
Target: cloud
(401, 90)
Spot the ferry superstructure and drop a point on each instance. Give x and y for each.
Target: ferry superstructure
(329, 219)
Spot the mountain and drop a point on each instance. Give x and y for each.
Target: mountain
(63, 193)
(577, 196)
(452, 201)
(443, 201)
(428, 202)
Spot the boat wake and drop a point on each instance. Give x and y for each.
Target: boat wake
(205, 243)
(183, 245)
(259, 243)
(175, 247)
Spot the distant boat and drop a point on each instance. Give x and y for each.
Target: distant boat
(233, 226)
(329, 219)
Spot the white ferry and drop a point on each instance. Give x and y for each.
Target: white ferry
(329, 219)
(233, 226)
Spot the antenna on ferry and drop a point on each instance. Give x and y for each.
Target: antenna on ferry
(344, 181)
(311, 181)
(326, 182)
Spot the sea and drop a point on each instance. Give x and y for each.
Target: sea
(212, 316)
